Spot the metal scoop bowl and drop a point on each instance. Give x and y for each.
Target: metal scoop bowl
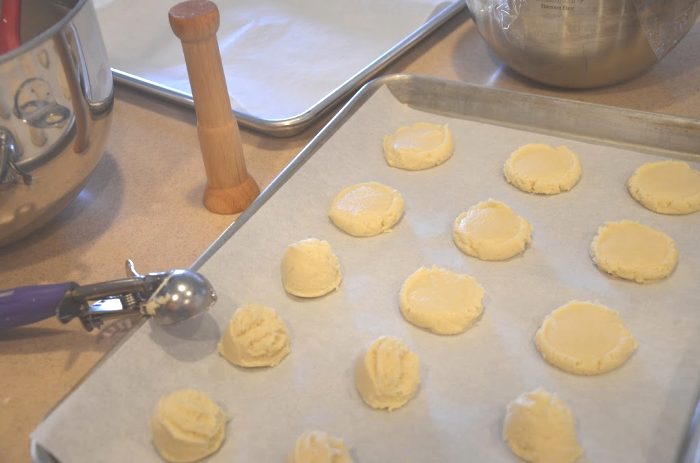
(182, 294)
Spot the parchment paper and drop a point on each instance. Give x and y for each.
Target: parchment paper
(280, 57)
(637, 413)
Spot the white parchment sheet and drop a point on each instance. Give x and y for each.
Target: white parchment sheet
(635, 414)
(280, 57)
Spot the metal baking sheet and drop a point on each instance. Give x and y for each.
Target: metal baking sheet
(286, 62)
(638, 413)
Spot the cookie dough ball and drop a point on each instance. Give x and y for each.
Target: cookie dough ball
(187, 426)
(310, 269)
(666, 187)
(319, 447)
(491, 230)
(584, 338)
(441, 301)
(419, 146)
(634, 251)
(543, 169)
(255, 337)
(366, 209)
(387, 375)
(540, 428)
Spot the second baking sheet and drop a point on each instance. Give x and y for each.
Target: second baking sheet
(638, 413)
(286, 61)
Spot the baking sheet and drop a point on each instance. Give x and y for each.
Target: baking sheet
(638, 413)
(285, 61)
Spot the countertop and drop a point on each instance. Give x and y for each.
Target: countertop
(143, 202)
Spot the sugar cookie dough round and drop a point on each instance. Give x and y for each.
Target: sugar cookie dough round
(634, 251)
(419, 146)
(187, 426)
(584, 338)
(366, 209)
(255, 337)
(543, 169)
(310, 269)
(440, 300)
(666, 187)
(540, 428)
(319, 447)
(388, 373)
(491, 230)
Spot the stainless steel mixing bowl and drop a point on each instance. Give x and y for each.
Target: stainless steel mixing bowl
(56, 96)
(582, 43)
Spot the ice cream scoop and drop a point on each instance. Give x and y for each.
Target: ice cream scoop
(168, 297)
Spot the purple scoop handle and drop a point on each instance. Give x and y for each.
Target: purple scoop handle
(29, 304)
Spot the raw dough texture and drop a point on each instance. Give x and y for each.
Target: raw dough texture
(491, 230)
(387, 375)
(666, 187)
(442, 301)
(540, 428)
(634, 251)
(419, 146)
(310, 269)
(584, 338)
(539, 168)
(319, 447)
(255, 337)
(187, 426)
(366, 209)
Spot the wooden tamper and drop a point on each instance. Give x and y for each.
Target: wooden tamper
(230, 188)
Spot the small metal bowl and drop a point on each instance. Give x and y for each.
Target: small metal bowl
(582, 43)
(56, 96)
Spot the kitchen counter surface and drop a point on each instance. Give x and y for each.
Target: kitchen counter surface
(144, 202)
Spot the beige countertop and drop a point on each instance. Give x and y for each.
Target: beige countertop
(144, 202)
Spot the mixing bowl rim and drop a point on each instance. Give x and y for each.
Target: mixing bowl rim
(45, 35)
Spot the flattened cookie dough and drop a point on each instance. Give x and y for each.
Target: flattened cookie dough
(540, 428)
(491, 230)
(255, 337)
(187, 426)
(319, 447)
(441, 301)
(584, 338)
(366, 209)
(543, 169)
(634, 251)
(666, 187)
(418, 146)
(310, 269)
(388, 373)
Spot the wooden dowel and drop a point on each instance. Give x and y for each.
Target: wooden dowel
(230, 189)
